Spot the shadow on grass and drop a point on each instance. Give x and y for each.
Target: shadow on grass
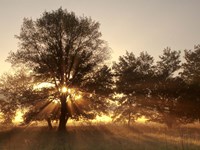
(98, 137)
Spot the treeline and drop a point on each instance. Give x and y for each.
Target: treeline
(165, 91)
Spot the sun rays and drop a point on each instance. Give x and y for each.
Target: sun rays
(77, 103)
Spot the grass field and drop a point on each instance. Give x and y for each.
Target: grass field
(101, 137)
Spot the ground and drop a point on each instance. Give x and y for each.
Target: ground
(101, 137)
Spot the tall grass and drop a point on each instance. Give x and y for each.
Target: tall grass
(101, 137)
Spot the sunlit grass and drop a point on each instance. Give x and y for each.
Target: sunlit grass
(102, 137)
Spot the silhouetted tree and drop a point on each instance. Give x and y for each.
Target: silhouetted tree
(62, 49)
(132, 81)
(166, 90)
(169, 63)
(16, 90)
(191, 68)
(190, 100)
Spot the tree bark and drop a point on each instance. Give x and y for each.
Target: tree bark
(63, 114)
(49, 123)
(129, 119)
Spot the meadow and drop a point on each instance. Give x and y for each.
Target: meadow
(101, 137)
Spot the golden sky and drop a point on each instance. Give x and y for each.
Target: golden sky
(133, 25)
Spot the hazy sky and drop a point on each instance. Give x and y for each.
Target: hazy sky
(133, 25)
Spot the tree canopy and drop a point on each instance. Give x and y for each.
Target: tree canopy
(62, 49)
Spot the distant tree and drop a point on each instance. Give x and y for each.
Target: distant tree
(166, 89)
(62, 49)
(16, 90)
(175, 98)
(101, 86)
(169, 63)
(190, 100)
(191, 68)
(7, 112)
(132, 81)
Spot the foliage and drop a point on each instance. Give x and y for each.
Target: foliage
(132, 78)
(191, 68)
(169, 63)
(190, 100)
(16, 90)
(102, 82)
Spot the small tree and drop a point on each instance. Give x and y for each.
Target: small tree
(16, 90)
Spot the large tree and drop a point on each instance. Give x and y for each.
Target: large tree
(62, 49)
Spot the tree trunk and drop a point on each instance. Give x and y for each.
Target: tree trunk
(129, 119)
(49, 123)
(63, 114)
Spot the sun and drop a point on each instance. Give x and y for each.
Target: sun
(64, 89)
